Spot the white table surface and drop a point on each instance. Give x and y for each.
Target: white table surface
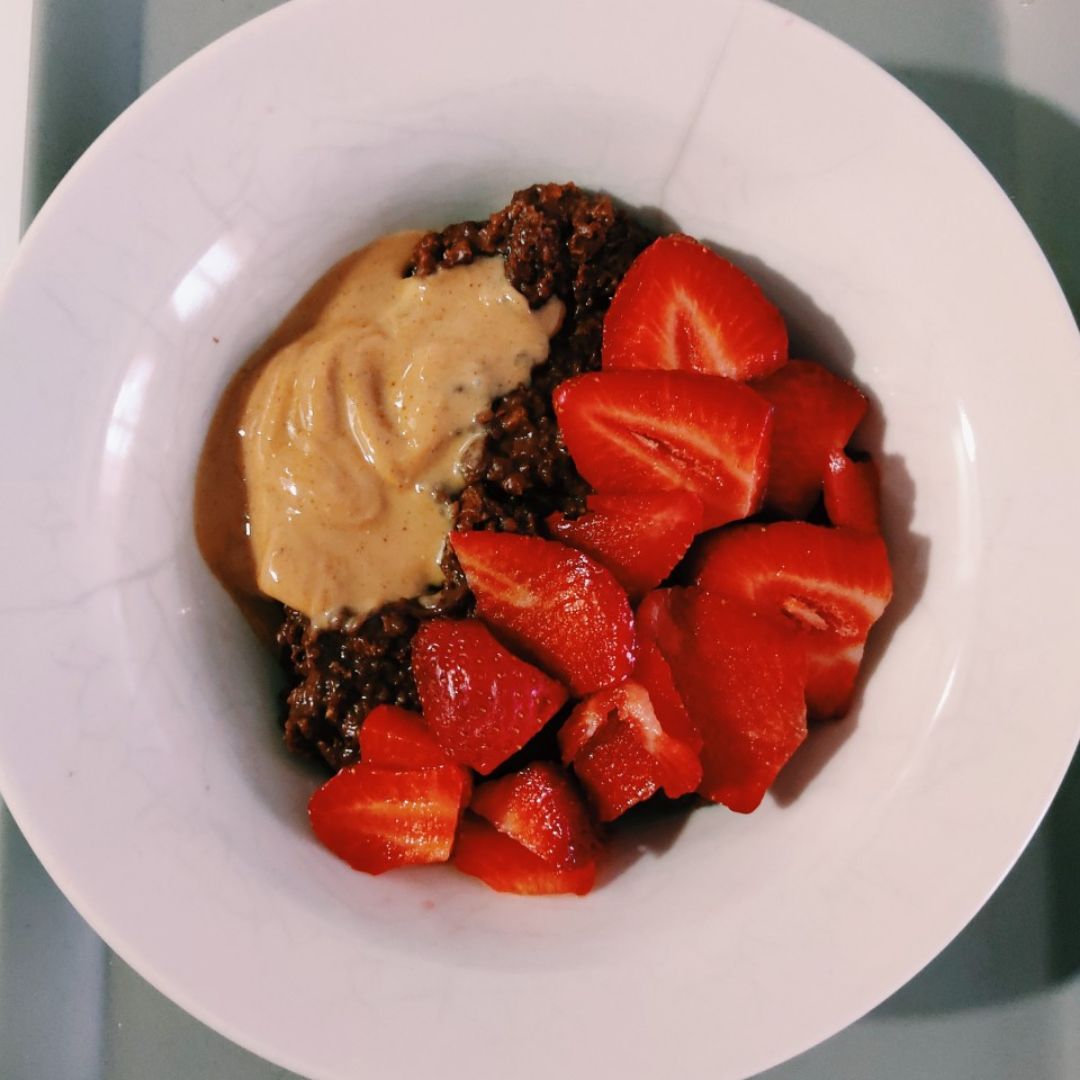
(1003, 1001)
(15, 24)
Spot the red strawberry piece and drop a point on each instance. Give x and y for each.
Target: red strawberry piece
(639, 538)
(376, 819)
(816, 412)
(654, 673)
(556, 605)
(831, 675)
(742, 678)
(683, 307)
(621, 753)
(831, 585)
(480, 701)
(540, 809)
(399, 739)
(633, 431)
(852, 493)
(505, 866)
(615, 769)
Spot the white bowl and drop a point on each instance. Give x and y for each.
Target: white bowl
(138, 743)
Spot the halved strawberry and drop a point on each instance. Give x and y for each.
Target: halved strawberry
(376, 819)
(399, 739)
(639, 538)
(480, 701)
(539, 808)
(830, 584)
(852, 493)
(816, 412)
(622, 754)
(556, 605)
(683, 307)
(633, 431)
(505, 866)
(742, 678)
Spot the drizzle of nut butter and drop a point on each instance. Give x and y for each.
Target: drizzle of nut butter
(325, 478)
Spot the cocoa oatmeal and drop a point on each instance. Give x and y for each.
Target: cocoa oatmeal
(557, 241)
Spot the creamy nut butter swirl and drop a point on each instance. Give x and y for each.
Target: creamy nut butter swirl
(325, 478)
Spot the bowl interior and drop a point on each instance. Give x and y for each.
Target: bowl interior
(158, 793)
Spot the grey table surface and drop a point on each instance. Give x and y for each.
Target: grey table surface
(1003, 1001)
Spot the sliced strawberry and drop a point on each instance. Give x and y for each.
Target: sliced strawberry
(654, 673)
(852, 493)
(480, 701)
(556, 605)
(505, 866)
(615, 769)
(683, 307)
(633, 431)
(742, 678)
(621, 753)
(639, 538)
(399, 739)
(376, 819)
(831, 585)
(816, 412)
(831, 675)
(539, 808)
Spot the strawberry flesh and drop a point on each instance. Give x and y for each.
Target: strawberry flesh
(506, 866)
(654, 673)
(634, 431)
(639, 538)
(480, 701)
(682, 307)
(557, 606)
(852, 493)
(615, 769)
(399, 739)
(742, 678)
(829, 584)
(540, 809)
(831, 677)
(622, 754)
(816, 412)
(377, 819)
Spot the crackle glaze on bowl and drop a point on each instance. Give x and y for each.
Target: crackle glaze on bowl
(138, 748)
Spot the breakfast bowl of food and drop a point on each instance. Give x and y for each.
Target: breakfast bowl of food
(535, 544)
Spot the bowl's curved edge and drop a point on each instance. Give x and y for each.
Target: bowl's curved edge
(173, 83)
